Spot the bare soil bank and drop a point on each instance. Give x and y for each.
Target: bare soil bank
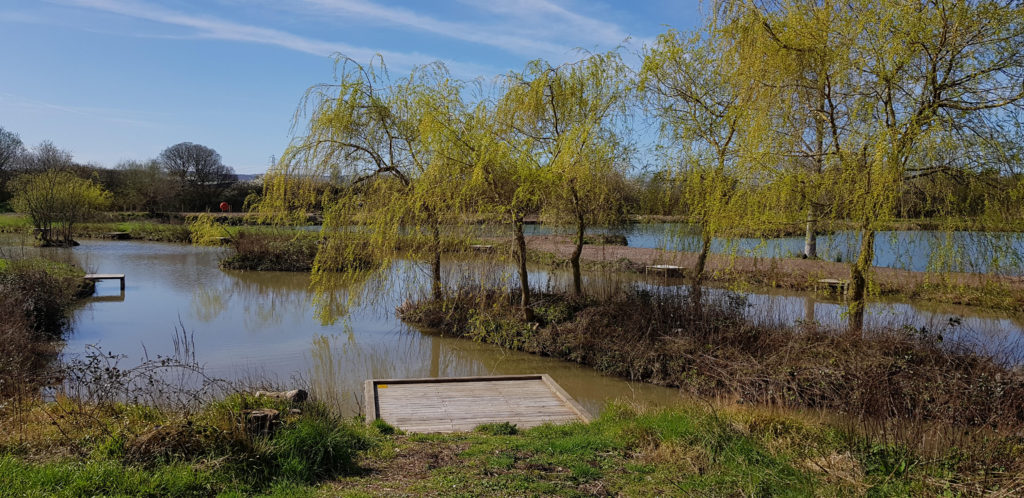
(973, 289)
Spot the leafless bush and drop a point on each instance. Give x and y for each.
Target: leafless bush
(175, 382)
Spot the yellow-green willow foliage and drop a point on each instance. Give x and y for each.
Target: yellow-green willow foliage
(571, 115)
(905, 91)
(798, 55)
(382, 158)
(57, 200)
(695, 85)
(931, 78)
(549, 143)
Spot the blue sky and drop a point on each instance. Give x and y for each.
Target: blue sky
(113, 80)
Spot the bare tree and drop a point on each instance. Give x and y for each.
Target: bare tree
(141, 186)
(46, 156)
(199, 172)
(10, 148)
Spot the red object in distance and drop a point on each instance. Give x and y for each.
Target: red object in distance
(225, 207)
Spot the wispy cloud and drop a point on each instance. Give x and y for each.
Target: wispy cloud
(220, 29)
(475, 33)
(534, 28)
(553, 18)
(12, 101)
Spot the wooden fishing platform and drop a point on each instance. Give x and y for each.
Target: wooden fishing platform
(841, 287)
(105, 276)
(456, 404)
(666, 270)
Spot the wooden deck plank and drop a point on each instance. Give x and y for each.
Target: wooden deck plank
(103, 276)
(462, 403)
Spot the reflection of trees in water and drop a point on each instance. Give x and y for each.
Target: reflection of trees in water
(266, 298)
(340, 365)
(207, 304)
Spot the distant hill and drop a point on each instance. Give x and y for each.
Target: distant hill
(249, 178)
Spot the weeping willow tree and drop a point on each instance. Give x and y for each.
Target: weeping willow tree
(798, 53)
(377, 155)
(548, 142)
(931, 77)
(565, 120)
(506, 178)
(703, 97)
(891, 95)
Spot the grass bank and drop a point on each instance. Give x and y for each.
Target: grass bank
(296, 250)
(132, 450)
(135, 227)
(69, 448)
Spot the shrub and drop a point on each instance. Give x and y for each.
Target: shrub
(271, 252)
(42, 291)
(902, 376)
(56, 201)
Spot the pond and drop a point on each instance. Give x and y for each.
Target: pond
(263, 324)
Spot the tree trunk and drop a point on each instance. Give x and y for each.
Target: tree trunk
(435, 281)
(811, 234)
(858, 278)
(577, 279)
(435, 357)
(524, 280)
(696, 291)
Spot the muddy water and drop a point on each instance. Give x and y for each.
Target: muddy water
(264, 325)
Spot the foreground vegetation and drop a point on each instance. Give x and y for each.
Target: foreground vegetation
(73, 449)
(135, 450)
(36, 297)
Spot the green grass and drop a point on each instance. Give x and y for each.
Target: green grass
(686, 450)
(104, 477)
(12, 222)
(109, 450)
(139, 230)
(682, 451)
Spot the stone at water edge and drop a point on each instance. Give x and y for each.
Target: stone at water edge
(262, 421)
(295, 395)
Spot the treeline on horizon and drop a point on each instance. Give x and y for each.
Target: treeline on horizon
(184, 177)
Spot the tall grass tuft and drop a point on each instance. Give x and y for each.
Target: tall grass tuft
(316, 448)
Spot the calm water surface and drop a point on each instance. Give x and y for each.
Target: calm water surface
(263, 324)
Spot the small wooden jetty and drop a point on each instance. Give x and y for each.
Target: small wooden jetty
(93, 277)
(841, 287)
(666, 270)
(119, 298)
(455, 404)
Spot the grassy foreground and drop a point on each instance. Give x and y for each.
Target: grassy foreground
(632, 451)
